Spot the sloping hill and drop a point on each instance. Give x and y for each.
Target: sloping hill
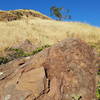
(41, 31)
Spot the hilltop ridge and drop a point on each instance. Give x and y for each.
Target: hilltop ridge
(11, 15)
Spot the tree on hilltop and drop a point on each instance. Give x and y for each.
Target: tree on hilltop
(55, 11)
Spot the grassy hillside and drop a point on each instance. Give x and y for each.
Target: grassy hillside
(33, 27)
(42, 32)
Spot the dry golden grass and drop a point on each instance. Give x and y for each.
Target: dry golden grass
(42, 32)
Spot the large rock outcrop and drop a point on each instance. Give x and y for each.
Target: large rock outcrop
(65, 71)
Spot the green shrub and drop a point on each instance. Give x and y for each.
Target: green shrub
(18, 53)
(98, 93)
(40, 49)
(3, 60)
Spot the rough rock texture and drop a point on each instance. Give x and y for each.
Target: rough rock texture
(65, 71)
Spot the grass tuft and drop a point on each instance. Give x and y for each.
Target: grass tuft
(98, 91)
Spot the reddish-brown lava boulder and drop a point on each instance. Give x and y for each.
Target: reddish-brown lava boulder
(70, 73)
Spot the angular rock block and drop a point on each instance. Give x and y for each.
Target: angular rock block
(23, 85)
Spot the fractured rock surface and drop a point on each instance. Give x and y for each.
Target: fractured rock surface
(65, 71)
